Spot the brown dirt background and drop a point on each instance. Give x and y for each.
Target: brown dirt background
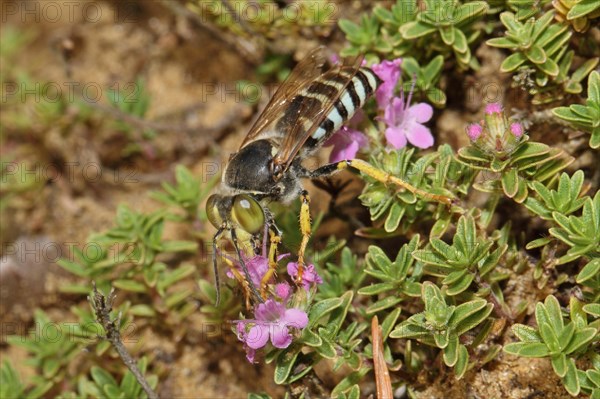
(178, 62)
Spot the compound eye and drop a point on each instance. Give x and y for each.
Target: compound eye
(212, 210)
(248, 213)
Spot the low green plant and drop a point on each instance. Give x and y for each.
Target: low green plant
(585, 117)
(554, 338)
(441, 325)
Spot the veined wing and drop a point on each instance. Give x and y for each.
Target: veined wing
(315, 102)
(308, 69)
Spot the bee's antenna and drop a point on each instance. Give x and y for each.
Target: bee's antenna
(244, 267)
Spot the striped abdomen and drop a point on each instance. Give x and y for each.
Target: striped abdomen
(322, 90)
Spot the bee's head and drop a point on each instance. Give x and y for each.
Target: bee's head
(242, 210)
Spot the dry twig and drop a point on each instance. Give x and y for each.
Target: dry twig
(102, 306)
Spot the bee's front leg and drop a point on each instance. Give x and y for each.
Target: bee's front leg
(377, 174)
(305, 229)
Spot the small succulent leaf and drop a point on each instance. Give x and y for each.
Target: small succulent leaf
(409, 330)
(451, 351)
(510, 179)
(559, 364)
(460, 42)
(581, 338)
(513, 61)
(461, 285)
(285, 363)
(594, 87)
(589, 271)
(570, 380)
(582, 9)
(441, 338)
(389, 322)
(527, 349)
(566, 335)
(321, 308)
(415, 29)
(448, 35)
(502, 42)
(383, 304)
(462, 361)
(375, 289)
(465, 310)
(526, 333)
(536, 54)
(549, 337)
(549, 67)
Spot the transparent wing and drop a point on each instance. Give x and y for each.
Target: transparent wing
(311, 114)
(308, 69)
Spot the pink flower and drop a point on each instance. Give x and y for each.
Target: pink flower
(346, 143)
(474, 131)
(272, 322)
(405, 122)
(283, 291)
(309, 275)
(257, 266)
(389, 72)
(493, 108)
(516, 129)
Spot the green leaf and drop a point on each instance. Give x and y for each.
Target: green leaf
(285, 363)
(549, 67)
(591, 270)
(130, 285)
(321, 308)
(382, 304)
(570, 380)
(512, 62)
(394, 216)
(510, 179)
(451, 352)
(526, 333)
(375, 289)
(501, 42)
(448, 33)
(582, 8)
(527, 349)
(416, 29)
(559, 364)
(179, 246)
(536, 54)
(462, 362)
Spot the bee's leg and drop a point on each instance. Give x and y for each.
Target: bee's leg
(243, 282)
(305, 229)
(378, 175)
(275, 239)
(215, 268)
(234, 239)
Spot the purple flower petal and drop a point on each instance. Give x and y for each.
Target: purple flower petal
(419, 135)
(389, 72)
(422, 112)
(396, 137)
(271, 310)
(250, 354)
(346, 143)
(258, 336)
(283, 291)
(340, 153)
(295, 318)
(280, 336)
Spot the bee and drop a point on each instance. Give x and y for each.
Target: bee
(311, 104)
